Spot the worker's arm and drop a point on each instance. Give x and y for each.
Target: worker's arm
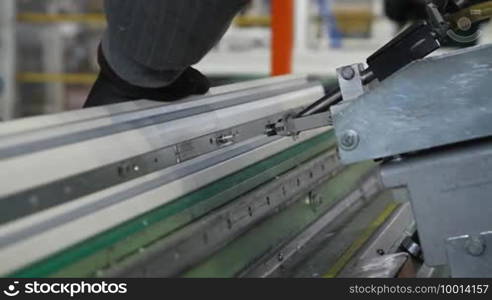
(149, 46)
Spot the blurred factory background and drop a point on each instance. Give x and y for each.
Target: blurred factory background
(48, 61)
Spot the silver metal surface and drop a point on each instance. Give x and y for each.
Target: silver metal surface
(433, 102)
(389, 237)
(470, 256)
(290, 126)
(411, 247)
(426, 272)
(385, 266)
(449, 191)
(350, 81)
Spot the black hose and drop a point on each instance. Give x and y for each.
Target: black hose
(333, 98)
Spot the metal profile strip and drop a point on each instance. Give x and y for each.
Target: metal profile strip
(243, 252)
(71, 188)
(172, 255)
(271, 264)
(143, 187)
(90, 114)
(17, 255)
(39, 140)
(85, 156)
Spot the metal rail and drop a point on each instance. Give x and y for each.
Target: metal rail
(69, 177)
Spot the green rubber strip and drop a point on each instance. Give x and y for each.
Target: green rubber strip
(106, 249)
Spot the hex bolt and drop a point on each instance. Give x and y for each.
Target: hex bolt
(348, 73)
(464, 23)
(349, 140)
(475, 246)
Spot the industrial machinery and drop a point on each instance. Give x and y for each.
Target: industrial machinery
(189, 189)
(428, 122)
(252, 180)
(436, 151)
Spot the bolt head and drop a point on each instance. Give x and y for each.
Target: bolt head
(349, 140)
(475, 246)
(464, 24)
(348, 73)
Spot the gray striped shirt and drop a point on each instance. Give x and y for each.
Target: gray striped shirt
(150, 42)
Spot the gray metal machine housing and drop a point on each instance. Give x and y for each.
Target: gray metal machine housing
(430, 123)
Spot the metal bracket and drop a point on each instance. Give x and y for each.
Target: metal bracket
(291, 126)
(470, 256)
(351, 81)
(419, 115)
(225, 140)
(450, 194)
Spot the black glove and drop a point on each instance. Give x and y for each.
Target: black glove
(109, 88)
(401, 11)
